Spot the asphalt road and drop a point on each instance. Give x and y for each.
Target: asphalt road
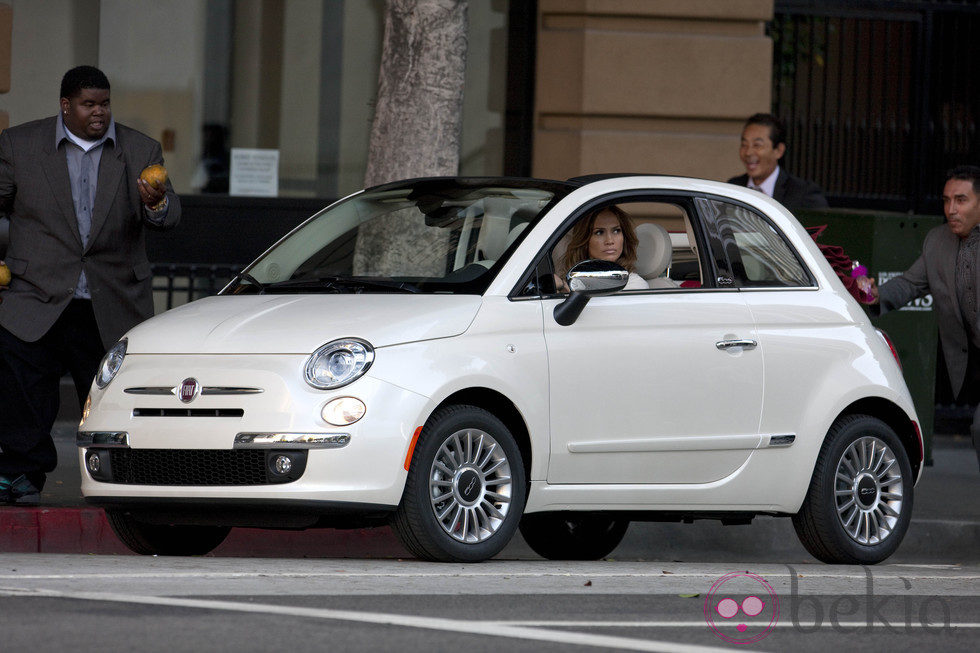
(114, 603)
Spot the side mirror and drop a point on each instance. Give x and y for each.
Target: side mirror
(586, 280)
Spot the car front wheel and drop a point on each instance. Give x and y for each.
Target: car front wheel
(859, 503)
(465, 490)
(572, 536)
(164, 540)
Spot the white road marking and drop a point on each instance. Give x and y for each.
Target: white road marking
(701, 624)
(455, 574)
(493, 629)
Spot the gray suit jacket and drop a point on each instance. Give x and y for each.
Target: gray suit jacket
(935, 272)
(45, 254)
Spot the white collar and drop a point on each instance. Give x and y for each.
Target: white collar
(768, 186)
(62, 130)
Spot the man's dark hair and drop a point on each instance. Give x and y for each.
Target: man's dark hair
(966, 173)
(777, 133)
(82, 77)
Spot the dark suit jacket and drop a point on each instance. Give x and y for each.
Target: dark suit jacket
(45, 254)
(792, 192)
(935, 272)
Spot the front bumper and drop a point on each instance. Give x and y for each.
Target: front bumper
(361, 463)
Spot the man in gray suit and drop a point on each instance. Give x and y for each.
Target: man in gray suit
(70, 187)
(949, 268)
(763, 146)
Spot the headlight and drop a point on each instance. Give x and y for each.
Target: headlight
(110, 364)
(338, 363)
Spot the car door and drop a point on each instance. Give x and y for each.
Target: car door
(800, 332)
(655, 386)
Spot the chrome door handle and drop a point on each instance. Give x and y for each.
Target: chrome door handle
(728, 344)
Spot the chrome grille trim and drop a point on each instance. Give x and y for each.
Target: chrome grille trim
(106, 439)
(151, 390)
(229, 390)
(291, 440)
(205, 390)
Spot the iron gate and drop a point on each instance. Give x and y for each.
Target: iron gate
(879, 97)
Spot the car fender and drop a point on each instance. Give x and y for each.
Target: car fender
(503, 351)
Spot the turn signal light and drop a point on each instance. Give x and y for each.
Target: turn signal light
(891, 346)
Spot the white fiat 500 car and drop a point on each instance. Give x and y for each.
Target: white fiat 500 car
(460, 358)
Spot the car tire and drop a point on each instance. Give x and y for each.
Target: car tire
(573, 536)
(465, 490)
(164, 540)
(859, 503)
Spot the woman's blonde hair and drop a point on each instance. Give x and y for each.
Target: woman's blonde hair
(578, 246)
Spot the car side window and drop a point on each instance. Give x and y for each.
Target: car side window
(680, 266)
(760, 256)
(652, 240)
(541, 281)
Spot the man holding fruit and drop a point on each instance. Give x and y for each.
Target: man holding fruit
(78, 195)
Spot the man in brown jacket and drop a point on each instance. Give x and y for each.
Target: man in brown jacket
(70, 187)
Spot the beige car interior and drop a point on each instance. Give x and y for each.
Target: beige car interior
(502, 222)
(665, 238)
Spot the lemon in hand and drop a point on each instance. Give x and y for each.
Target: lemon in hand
(4, 275)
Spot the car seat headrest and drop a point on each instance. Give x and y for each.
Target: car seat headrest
(653, 250)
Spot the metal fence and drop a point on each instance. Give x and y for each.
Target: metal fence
(176, 284)
(878, 96)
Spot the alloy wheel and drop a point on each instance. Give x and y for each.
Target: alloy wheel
(868, 490)
(470, 486)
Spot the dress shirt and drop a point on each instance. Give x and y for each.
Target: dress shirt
(83, 159)
(966, 282)
(768, 186)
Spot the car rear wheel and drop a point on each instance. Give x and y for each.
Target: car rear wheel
(164, 540)
(573, 536)
(465, 490)
(859, 504)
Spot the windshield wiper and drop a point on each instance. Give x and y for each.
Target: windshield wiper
(336, 283)
(245, 276)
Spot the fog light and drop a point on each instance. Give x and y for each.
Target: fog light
(94, 463)
(343, 411)
(282, 464)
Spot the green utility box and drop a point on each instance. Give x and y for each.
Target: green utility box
(887, 244)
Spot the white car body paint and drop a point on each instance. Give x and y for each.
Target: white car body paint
(658, 418)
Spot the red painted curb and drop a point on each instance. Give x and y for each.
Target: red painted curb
(85, 530)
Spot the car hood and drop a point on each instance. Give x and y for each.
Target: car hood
(298, 324)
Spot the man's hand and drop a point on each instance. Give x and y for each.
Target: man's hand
(151, 195)
(868, 285)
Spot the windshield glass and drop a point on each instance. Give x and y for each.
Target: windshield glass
(432, 235)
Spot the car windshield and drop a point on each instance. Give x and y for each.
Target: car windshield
(431, 235)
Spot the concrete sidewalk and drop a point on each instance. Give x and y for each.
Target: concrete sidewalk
(945, 525)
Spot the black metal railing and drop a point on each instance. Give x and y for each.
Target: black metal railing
(878, 96)
(176, 284)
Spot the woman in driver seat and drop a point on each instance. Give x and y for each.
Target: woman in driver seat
(607, 235)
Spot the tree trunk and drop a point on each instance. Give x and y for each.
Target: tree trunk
(418, 116)
(417, 125)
